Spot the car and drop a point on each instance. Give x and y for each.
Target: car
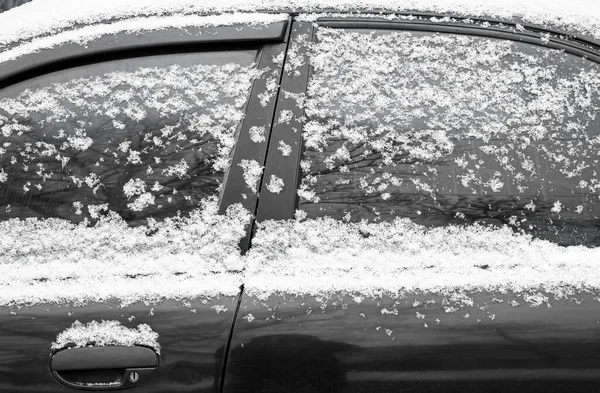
(299, 197)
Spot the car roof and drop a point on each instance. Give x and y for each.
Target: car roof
(32, 20)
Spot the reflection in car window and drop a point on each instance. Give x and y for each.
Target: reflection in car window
(146, 137)
(449, 129)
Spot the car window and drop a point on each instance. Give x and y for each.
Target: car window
(452, 129)
(144, 137)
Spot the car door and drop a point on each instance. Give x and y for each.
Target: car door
(125, 204)
(424, 180)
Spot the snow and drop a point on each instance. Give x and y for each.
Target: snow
(401, 259)
(284, 148)
(252, 173)
(182, 257)
(180, 170)
(83, 36)
(56, 261)
(407, 100)
(285, 116)
(34, 19)
(187, 258)
(134, 187)
(557, 207)
(30, 29)
(104, 334)
(257, 134)
(143, 201)
(275, 184)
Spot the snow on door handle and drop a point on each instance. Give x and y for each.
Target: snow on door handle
(104, 368)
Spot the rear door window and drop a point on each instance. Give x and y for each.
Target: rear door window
(451, 129)
(144, 138)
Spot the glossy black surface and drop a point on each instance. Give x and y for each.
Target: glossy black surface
(282, 205)
(315, 345)
(98, 358)
(191, 336)
(259, 113)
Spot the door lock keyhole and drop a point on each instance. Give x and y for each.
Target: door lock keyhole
(134, 377)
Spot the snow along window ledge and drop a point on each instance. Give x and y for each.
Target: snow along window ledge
(54, 261)
(401, 259)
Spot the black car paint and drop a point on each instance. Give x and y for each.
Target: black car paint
(306, 345)
(191, 335)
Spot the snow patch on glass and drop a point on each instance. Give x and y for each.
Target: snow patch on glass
(105, 334)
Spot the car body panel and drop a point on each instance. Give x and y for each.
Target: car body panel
(192, 335)
(304, 343)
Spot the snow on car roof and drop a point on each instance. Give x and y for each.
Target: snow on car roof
(86, 34)
(35, 19)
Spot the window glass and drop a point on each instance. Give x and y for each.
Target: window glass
(145, 137)
(452, 129)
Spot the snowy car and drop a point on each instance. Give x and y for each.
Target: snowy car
(305, 196)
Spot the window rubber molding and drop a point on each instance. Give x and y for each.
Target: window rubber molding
(530, 35)
(127, 45)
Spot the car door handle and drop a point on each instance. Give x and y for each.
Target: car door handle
(104, 368)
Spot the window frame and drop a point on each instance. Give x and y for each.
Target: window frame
(127, 45)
